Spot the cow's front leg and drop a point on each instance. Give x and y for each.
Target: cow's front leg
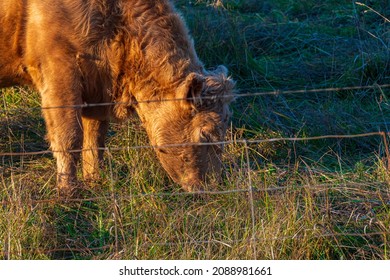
(61, 100)
(65, 136)
(93, 147)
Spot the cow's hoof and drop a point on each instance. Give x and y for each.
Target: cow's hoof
(69, 191)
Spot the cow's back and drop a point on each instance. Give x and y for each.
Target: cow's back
(37, 30)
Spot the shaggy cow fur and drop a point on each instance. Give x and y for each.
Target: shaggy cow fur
(136, 54)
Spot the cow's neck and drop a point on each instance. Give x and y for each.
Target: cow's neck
(159, 53)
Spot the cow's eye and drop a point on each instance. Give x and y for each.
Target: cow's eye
(205, 136)
(186, 159)
(162, 151)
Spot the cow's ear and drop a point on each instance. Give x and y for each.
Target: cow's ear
(191, 90)
(221, 70)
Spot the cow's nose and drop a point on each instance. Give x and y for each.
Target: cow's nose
(192, 185)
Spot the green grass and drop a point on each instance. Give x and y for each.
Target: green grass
(320, 199)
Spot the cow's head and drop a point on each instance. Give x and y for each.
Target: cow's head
(186, 132)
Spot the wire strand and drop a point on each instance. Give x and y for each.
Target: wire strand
(239, 95)
(238, 141)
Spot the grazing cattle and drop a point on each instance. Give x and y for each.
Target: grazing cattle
(135, 55)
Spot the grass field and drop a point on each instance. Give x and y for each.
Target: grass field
(311, 199)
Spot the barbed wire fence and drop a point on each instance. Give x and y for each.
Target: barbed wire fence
(250, 190)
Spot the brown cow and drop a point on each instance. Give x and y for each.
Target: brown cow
(134, 54)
